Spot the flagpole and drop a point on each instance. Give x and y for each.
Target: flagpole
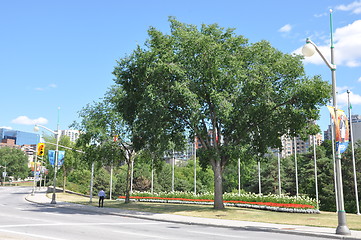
(353, 152)
(315, 161)
(279, 173)
(195, 165)
(296, 170)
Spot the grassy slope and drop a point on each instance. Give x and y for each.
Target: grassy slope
(325, 219)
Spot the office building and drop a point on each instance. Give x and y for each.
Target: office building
(20, 138)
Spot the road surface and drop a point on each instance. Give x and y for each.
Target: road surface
(23, 220)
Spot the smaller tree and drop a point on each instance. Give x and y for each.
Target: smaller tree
(70, 163)
(105, 138)
(15, 161)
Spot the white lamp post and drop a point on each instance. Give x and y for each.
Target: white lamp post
(57, 136)
(308, 50)
(353, 152)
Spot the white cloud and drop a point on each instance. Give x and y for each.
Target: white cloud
(342, 89)
(342, 99)
(285, 28)
(359, 80)
(24, 120)
(354, 7)
(347, 45)
(320, 15)
(52, 85)
(6, 127)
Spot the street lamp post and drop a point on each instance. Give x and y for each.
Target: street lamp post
(353, 152)
(57, 136)
(35, 163)
(308, 50)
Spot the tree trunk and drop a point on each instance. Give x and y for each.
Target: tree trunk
(64, 178)
(218, 186)
(127, 189)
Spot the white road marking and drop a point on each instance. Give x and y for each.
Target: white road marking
(31, 235)
(215, 234)
(4, 216)
(141, 235)
(71, 224)
(59, 214)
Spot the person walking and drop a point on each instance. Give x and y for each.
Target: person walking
(101, 196)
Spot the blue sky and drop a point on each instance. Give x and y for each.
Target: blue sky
(61, 53)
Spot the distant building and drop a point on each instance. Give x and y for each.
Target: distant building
(72, 134)
(356, 127)
(327, 135)
(181, 156)
(8, 143)
(297, 145)
(20, 138)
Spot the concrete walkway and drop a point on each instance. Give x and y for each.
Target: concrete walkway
(41, 198)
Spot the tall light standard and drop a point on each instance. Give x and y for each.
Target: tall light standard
(57, 136)
(308, 50)
(353, 152)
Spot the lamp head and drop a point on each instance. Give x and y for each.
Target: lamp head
(36, 128)
(308, 49)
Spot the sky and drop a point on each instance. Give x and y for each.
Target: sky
(58, 56)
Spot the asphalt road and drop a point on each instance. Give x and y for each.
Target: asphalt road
(20, 219)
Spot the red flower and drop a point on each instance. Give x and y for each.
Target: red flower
(271, 204)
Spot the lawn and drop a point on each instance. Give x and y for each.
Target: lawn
(324, 219)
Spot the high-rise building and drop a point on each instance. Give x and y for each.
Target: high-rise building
(72, 134)
(290, 145)
(356, 127)
(327, 135)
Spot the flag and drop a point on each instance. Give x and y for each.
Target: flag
(51, 156)
(341, 128)
(61, 155)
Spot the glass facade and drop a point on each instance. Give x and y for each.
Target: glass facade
(21, 138)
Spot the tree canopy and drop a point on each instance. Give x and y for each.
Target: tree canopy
(212, 84)
(15, 161)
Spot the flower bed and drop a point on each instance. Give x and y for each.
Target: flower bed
(250, 200)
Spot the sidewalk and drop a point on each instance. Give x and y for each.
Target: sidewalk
(41, 198)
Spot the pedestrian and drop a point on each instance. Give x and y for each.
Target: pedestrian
(101, 196)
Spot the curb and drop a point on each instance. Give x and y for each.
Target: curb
(147, 216)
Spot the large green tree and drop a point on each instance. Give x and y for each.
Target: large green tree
(211, 83)
(15, 161)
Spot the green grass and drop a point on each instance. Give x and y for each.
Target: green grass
(325, 219)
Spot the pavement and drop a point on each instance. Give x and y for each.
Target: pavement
(40, 198)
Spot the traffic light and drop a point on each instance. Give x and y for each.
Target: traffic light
(41, 149)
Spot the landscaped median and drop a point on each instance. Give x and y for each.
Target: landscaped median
(248, 200)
